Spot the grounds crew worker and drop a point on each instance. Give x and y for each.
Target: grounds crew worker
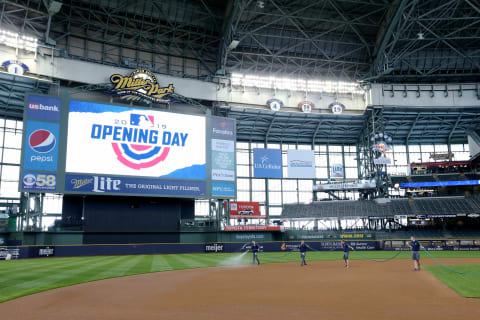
(415, 245)
(303, 253)
(254, 247)
(346, 248)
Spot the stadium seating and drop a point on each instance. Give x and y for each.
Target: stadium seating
(415, 206)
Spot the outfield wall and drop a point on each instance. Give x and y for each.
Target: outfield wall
(22, 252)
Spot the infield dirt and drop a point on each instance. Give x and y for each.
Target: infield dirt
(277, 291)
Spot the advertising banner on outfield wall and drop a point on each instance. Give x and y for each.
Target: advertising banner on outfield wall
(245, 209)
(267, 163)
(301, 164)
(253, 228)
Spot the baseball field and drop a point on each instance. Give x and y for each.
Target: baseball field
(214, 286)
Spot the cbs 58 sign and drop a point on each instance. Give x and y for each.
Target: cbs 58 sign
(39, 181)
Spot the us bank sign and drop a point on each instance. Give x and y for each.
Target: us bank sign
(140, 84)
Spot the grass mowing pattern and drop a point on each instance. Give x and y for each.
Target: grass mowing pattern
(466, 285)
(23, 277)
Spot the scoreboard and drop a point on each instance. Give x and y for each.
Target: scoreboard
(82, 147)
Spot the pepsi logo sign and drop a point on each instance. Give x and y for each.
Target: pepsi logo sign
(42, 141)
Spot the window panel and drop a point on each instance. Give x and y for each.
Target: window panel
(290, 197)
(10, 173)
(243, 184)
(202, 208)
(243, 171)
(305, 197)
(289, 185)
(52, 203)
(275, 211)
(441, 148)
(258, 184)
(242, 157)
(13, 140)
(457, 147)
(399, 148)
(242, 145)
(321, 160)
(258, 197)
(275, 197)
(321, 173)
(335, 148)
(11, 156)
(305, 185)
(351, 173)
(350, 160)
(274, 185)
(9, 189)
(304, 147)
(243, 196)
(414, 148)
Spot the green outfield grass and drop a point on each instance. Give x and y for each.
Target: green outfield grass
(23, 277)
(466, 285)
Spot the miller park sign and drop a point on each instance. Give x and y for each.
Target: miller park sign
(140, 85)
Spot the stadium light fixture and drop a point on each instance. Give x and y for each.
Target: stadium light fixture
(18, 41)
(292, 84)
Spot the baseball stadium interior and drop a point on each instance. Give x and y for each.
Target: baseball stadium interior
(240, 159)
(352, 119)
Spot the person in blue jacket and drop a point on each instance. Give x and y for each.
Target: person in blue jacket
(254, 247)
(346, 248)
(415, 246)
(303, 252)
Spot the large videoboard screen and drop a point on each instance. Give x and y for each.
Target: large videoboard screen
(135, 142)
(96, 148)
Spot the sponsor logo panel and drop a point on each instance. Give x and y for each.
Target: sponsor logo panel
(9, 253)
(46, 251)
(226, 189)
(39, 181)
(214, 247)
(45, 108)
(133, 185)
(41, 146)
(253, 228)
(301, 164)
(223, 128)
(245, 209)
(337, 170)
(267, 163)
